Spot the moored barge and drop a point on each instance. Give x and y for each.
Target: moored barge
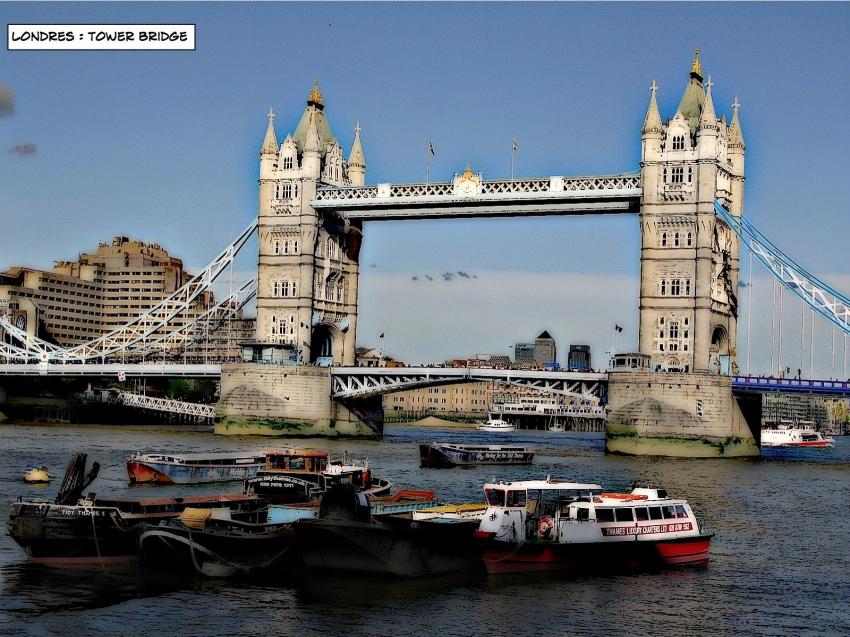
(444, 455)
(193, 468)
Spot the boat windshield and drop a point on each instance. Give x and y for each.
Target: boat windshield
(495, 497)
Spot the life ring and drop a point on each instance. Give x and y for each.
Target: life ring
(545, 526)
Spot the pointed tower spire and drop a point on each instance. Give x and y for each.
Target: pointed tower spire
(708, 118)
(270, 140)
(652, 121)
(356, 160)
(312, 142)
(312, 156)
(736, 137)
(691, 103)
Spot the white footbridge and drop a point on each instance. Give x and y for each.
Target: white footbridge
(140, 401)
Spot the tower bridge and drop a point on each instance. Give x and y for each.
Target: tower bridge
(313, 203)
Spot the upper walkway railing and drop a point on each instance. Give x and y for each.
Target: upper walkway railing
(791, 385)
(469, 195)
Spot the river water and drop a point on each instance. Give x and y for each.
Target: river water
(780, 562)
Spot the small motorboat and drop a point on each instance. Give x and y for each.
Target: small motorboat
(496, 425)
(37, 476)
(444, 454)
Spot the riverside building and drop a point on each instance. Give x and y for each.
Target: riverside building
(78, 301)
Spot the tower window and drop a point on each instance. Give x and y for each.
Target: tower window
(677, 175)
(690, 239)
(286, 191)
(678, 142)
(687, 287)
(674, 330)
(690, 174)
(676, 239)
(663, 239)
(287, 163)
(663, 287)
(277, 247)
(675, 290)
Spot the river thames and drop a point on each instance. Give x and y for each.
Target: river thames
(779, 562)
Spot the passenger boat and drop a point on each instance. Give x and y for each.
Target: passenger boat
(543, 525)
(301, 476)
(496, 425)
(793, 436)
(444, 454)
(193, 468)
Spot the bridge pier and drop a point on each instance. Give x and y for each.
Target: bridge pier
(2, 402)
(291, 400)
(691, 415)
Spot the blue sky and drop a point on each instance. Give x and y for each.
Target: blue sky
(162, 146)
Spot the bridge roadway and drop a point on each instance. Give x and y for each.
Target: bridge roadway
(470, 196)
(353, 382)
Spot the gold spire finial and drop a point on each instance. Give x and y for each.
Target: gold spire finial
(468, 172)
(696, 67)
(315, 95)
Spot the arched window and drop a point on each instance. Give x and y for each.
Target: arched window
(287, 163)
(675, 289)
(687, 287)
(293, 288)
(295, 247)
(676, 239)
(690, 174)
(285, 191)
(665, 175)
(286, 247)
(663, 239)
(663, 287)
(678, 142)
(284, 288)
(277, 247)
(275, 289)
(690, 239)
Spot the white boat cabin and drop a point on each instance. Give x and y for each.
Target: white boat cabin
(568, 512)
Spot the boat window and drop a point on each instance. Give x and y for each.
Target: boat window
(642, 514)
(661, 492)
(655, 513)
(605, 515)
(680, 511)
(582, 514)
(495, 497)
(296, 463)
(516, 498)
(624, 515)
(669, 511)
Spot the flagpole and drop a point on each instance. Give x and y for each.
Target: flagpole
(513, 155)
(428, 164)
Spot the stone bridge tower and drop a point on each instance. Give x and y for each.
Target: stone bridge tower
(689, 259)
(308, 260)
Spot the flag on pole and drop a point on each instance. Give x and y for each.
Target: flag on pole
(514, 145)
(431, 148)
(618, 328)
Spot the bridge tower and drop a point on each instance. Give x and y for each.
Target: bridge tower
(308, 260)
(689, 259)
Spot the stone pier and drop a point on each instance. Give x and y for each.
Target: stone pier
(289, 400)
(681, 415)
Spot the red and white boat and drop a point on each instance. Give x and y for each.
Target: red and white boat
(793, 436)
(541, 525)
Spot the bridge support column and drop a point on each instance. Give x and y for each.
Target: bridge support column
(2, 402)
(290, 401)
(679, 415)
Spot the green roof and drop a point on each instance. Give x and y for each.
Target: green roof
(692, 100)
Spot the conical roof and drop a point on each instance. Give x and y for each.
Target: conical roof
(312, 138)
(692, 99)
(708, 118)
(315, 111)
(356, 158)
(736, 137)
(270, 140)
(652, 121)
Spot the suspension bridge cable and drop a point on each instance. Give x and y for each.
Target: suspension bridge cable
(779, 349)
(749, 311)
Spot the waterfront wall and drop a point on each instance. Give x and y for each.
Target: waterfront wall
(679, 415)
(288, 400)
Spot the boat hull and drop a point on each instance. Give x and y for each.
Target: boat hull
(507, 557)
(173, 473)
(393, 547)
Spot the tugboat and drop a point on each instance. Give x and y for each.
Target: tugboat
(541, 525)
(301, 476)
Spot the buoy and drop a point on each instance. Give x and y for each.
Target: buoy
(36, 476)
